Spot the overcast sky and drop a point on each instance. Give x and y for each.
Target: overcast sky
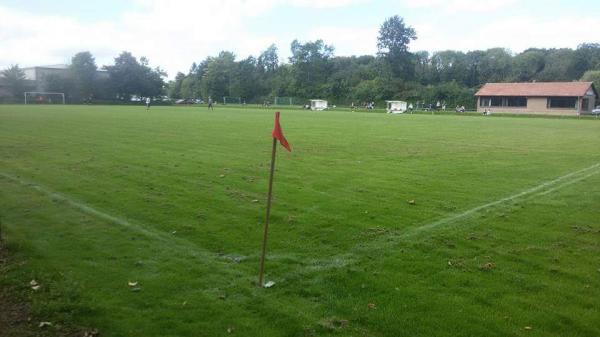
(175, 33)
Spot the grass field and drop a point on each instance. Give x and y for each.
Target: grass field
(504, 232)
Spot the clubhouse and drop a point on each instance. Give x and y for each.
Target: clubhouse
(556, 98)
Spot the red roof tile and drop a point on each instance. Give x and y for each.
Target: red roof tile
(535, 89)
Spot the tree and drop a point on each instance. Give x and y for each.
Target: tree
(218, 77)
(268, 61)
(394, 36)
(14, 77)
(449, 66)
(188, 88)
(527, 65)
(496, 65)
(129, 77)
(175, 86)
(311, 67)
(246, 83)
(392, 44)
(558, 66)
(58, 83)
(83, 73)
(592, 76)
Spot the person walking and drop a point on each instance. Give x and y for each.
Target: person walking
(148, 100)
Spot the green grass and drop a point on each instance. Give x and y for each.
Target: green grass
(92, 197)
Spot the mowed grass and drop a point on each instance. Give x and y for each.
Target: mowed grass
(503, 234)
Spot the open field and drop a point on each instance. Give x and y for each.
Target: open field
(504, 232)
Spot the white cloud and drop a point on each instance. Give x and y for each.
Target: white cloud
(347, 40)
(172, 34)
(515, 33)
(324, 3)
(460, 6)
(175, 33)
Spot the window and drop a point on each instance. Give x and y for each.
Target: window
(500, 101)
(516, 101)
(490, 101)
(585, 105)
(562, 102)
(496, 101)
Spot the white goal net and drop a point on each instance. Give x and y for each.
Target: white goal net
(39, 97)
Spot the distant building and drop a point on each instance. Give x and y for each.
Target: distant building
(556, 98)
(38, 74)
(4, 89)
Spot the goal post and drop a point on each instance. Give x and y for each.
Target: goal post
(232, 100)
(41, 97)
(279, 100)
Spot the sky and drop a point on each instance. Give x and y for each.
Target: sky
(174, 33)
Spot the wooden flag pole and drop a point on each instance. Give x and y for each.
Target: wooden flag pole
(266, 232)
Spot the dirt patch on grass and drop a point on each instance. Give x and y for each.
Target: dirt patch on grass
(15, 314)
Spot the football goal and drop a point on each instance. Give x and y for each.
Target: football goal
(232, 100)
(283, 100)
(39, 97)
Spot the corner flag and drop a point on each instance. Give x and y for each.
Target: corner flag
(277, 136)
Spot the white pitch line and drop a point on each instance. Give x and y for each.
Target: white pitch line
(183, 244)
(526, 192)
(567, 179)
(570, 182)
(78, 205)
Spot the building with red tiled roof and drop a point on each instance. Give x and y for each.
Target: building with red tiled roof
(558, 98)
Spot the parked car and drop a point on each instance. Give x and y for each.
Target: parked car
(596, 111)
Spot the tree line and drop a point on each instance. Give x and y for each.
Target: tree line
(313, 71)
(83, 81)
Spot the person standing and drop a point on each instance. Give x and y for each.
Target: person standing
(148, 100)
(210, 103)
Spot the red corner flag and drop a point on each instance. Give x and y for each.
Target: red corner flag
(278, 133)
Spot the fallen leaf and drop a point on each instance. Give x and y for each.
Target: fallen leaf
(35, 288)
(488, 266)
(269, 284)
(33, 283)
(372, 306)
(412, 202)
(91, 333)
(528, 328)
(45, 324)
(132, 284)
(222, 176)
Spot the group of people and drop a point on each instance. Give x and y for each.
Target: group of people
(366, 105)
(149, 102)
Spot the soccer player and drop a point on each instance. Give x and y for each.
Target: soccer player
(148, 103)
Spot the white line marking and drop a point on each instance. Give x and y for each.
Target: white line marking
(526, 192)
(570, 182)
(78, 205)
